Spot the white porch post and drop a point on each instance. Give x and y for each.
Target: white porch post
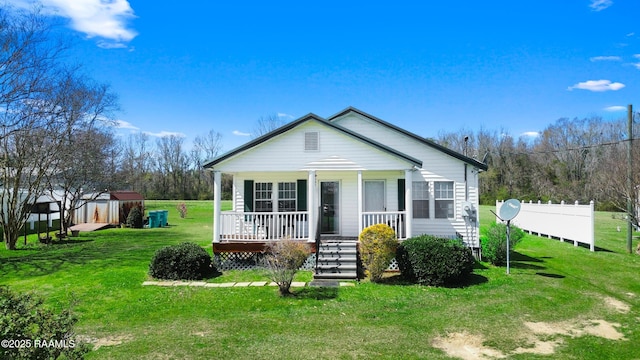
(360, 204)
(217, 194)
(311, 204)
(408, 201)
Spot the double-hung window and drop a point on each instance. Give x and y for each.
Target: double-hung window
(420, 192)
(263, 197)
(287, 196)
(444, 201)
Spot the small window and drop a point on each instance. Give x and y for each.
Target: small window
(311, 141)
(287, 196)
(263, 196)
(444, 199)
(420, 194)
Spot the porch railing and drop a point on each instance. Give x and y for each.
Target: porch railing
(395, 219)
(263, 226)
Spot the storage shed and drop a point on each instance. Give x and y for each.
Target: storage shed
(110, 208)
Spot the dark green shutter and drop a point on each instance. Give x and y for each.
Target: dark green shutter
(401, 197)
(248, 195)
(302, 195)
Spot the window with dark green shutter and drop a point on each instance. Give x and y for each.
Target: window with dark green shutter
(248, 195)
(302, 195)
(401, 198)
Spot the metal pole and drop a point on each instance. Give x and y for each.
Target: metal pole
(508, 241)
(630, 187)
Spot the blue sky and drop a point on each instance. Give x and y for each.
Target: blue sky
(428, 66)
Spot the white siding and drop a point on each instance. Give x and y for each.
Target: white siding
(436, 166)
(337, 151)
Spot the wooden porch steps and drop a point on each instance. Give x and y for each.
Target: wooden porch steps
(337, 260)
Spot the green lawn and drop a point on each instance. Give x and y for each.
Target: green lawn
(552, 285)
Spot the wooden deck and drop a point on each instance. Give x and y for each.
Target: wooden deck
(87, 227)
(259, 246)
(248, 246)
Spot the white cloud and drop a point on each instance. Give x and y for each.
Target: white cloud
(283, 115)
(637, 56)
(605, 58)
(121, 124)
(107, 19)
(599, 5)
(240, 133)
(630, 34)
(615, 108)
(165, 134)
(111, 45)
(597, 85)
(530, 134)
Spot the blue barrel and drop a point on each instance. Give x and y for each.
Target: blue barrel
(154, 219)
(163, 217)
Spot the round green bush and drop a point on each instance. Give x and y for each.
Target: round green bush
(186, 261)
(494, 242)
(430, 260)
(134, 219)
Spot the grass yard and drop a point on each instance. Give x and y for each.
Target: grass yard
(560, 302)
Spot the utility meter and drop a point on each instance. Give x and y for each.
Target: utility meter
(469, 211)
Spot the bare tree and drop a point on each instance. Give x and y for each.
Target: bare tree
(82, 160)
(205, 148)
(32, 98)
(135, 163)
(172, 165)
(266, 124)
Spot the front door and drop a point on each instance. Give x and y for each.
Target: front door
(330, 207)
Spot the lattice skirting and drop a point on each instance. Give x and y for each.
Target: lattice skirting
(250, 260)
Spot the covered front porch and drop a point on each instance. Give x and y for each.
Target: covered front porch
(309, 205)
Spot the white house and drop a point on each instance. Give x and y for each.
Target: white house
(336, 176)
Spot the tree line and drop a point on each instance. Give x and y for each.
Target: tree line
(570, 160)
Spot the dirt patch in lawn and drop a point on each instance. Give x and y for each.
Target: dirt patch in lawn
(105, 341)
(466, 346)
(470, 347)
(617, 305)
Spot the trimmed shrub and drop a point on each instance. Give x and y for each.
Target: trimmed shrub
(430, 260)
(378, 244)
(24, 320)
(134, 219)
(494, 242)
(283, 259)
(186, 261)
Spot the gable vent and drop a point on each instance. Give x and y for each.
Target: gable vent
(311, 141)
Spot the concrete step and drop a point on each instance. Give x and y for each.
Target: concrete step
(332, 259)
(338, 267)
(336, 276)
(337, 248)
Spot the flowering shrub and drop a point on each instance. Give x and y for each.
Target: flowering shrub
(378, 244)
(182, 209)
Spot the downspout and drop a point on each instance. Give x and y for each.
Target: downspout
(466, 184)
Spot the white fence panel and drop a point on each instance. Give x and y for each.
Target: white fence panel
(571, 222)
